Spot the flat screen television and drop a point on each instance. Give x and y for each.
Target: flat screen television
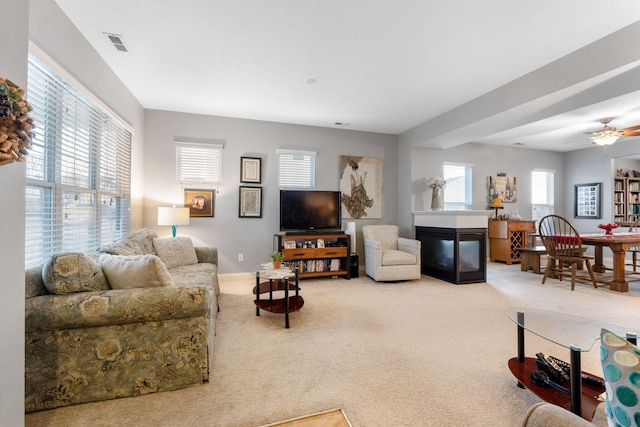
(310, 210)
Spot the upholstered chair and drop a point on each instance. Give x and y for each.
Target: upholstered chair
(389, 257)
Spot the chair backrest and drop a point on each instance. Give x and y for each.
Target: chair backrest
(635, 227)
(560, 237)
(387, 235)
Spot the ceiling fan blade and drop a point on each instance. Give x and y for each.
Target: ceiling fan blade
(631, 131)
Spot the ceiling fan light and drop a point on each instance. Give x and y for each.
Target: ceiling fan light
(606, 139)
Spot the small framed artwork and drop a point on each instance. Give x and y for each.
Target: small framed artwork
(199, 202)
(250, 202)
(289, 244)
(587, 201)
(250, 170)
(320, 243)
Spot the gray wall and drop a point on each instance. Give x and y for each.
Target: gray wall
(487, 160)
(252, 237)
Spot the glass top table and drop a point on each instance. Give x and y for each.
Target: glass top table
(270, 280)
(576, 333)
(566, 330)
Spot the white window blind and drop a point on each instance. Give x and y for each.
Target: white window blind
(198, 163)
(296, 169)
(457, 194)
(542, 197)
(78, 186)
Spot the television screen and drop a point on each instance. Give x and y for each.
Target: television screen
(302, 210)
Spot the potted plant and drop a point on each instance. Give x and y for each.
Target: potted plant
(277, 258)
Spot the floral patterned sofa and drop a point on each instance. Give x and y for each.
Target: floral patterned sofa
(87, 339)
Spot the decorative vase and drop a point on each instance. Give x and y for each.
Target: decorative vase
(436, 199)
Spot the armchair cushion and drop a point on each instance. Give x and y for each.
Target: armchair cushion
(393, 257)
(175, 251)
(72, 272)
(135, 271)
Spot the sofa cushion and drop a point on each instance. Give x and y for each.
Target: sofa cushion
(175, 251)
(135, 271)
(138, 243)
(71, 272)
(621, 367)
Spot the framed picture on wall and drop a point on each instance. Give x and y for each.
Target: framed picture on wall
(250, 170)
(250, 202)
(199, 202)
(587, 201)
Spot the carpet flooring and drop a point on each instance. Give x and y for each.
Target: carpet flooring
(417, 353)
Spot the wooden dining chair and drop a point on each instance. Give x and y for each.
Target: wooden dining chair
(634, 228)
(564, 249)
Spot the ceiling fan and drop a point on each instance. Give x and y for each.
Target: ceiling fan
(607, 135)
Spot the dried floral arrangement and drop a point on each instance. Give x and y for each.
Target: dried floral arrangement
(437, 182)
(15, 124)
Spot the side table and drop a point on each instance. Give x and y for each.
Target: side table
(277, 280)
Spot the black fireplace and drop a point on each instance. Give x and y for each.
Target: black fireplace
(457, 255)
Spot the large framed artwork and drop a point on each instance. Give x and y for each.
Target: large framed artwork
(250, 202)
(250, 170)
(587, 201)
(361, 187)
(502, 187)
(199, 202)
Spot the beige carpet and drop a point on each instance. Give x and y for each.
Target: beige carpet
(419, 353)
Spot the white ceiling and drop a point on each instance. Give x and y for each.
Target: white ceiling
(381, 65)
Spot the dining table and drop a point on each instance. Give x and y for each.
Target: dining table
(619, 243)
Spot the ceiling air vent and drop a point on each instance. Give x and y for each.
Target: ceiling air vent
(117, 42)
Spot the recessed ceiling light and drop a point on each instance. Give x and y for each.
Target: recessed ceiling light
(312, 81)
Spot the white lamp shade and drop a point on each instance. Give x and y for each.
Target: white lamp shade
(350, 229)
(173, 216)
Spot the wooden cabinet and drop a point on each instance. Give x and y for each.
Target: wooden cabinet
(316, 254)
(506, 236)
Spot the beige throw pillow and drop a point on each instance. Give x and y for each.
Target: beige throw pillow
(135, 271)
(175, 251)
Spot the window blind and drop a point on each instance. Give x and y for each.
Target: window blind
(457, 194)
(296, 169)
(78, 172)
(198, 163)
(542, 197)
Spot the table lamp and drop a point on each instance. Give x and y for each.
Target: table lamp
(496, 204)
(173, 216)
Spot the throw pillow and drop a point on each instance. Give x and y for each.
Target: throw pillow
(621, 367)
(71, 272)
(137, 243)
(175, 251)
(135, 271)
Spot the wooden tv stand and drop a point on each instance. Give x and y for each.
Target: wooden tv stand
(316, 254)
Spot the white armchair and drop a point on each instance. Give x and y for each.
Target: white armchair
(388, 257)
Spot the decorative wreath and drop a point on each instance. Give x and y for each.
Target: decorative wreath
(15, 124)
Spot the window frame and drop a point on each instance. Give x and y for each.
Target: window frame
(78, 172)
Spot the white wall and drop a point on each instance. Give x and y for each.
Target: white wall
(13, 45)
(252, 236)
